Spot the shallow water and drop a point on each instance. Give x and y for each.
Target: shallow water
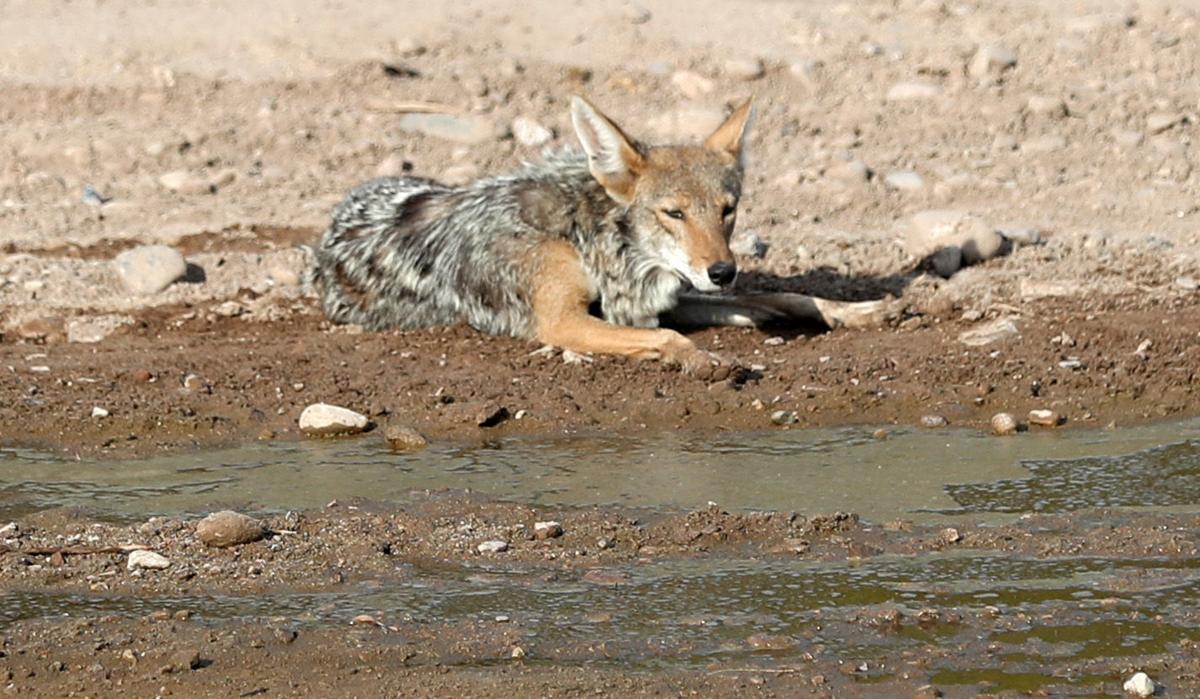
(1025, 623)
(914, 474)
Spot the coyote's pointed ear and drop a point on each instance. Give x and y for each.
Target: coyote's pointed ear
(729, 137)
(613, 157)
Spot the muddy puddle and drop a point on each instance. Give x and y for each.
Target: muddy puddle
(912, 474)
(962, 618)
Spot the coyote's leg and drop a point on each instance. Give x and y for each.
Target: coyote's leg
(560, 309)
(757, 309)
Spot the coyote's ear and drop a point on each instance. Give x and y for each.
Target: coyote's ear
(613, 157)
(729, 137)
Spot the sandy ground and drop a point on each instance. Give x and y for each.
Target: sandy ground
(228, 130)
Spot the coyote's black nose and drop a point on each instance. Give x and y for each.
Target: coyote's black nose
(722, 273)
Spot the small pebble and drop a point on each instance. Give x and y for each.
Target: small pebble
(229, 528)
(494, 546)
(784, 417)
(146, 559)
(934, 421)
(404, 438)
(950, 535)
(991, 60)
(1140, 685)
(322, 419)
(97, 411)
(547, 530)
(1044, 418)
(1004, 424)
(148, 269)
(529, 132)
(745, 68)
(911, 91)
(904, 180)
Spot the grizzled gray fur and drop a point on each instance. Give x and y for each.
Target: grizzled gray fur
(408, 252)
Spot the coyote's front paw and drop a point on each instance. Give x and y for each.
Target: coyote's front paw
(704, 365)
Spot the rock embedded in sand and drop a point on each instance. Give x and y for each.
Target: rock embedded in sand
(470, 129)
(934, 229)
(991, 60)
(850, 172)
(912, 91)
(322, 420)
(1140, 685)
(146, 559)
(529, 132)
(229, 528)
(1044, 418)
(993, 331)
(744, 68)
(547, 530)
(148, 269)
(691, 84)
(1158, 122)
(904, 181)
(404, 438)
(494, 546)
(784, 417)
(1046, 105)
(1004, 424)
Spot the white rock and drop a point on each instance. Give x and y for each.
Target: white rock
(530, 133)
(97, 411)
(146, 559)
(904, 180)
(691, 84)
(1128, 139)
(1140, 685)
(1187, 283)
(149, 269)
(987, 333)
(184, 182)
(991, 60)
(322, 419)
(1021, 235)
(495, 546)
(1044, 418)
(909, 91)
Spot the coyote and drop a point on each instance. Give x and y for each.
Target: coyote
(633, 233)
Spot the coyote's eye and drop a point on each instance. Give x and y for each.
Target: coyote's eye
(674, 213)
(729, 210)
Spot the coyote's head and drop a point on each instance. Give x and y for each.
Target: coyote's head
(682, 200)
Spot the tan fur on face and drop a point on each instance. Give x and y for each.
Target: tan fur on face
(700, 182)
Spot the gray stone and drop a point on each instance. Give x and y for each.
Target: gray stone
(910, 91)
(229, 528)
(784, 417)
(529, 132)
(904, 180)
(322, 419)
(547, 530)
(458, 128)
(946, 261)
(150, 268)
(1021, 236)
(990, 332)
